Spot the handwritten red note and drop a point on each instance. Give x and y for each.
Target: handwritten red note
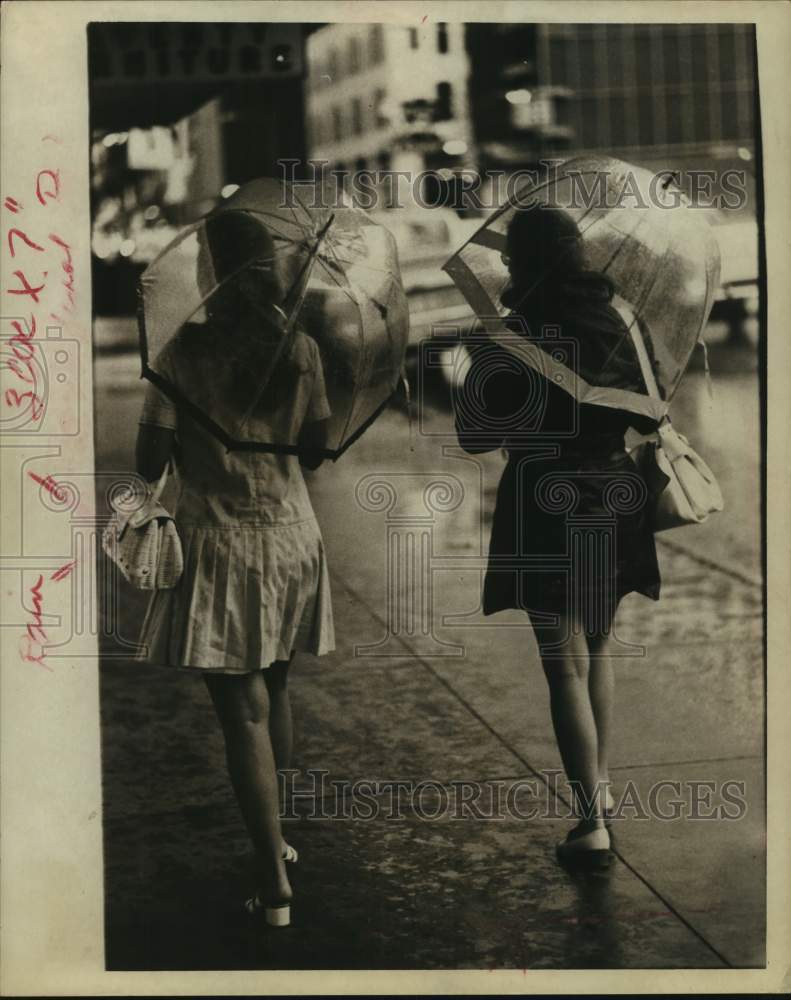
(43, 286)
(33, 645)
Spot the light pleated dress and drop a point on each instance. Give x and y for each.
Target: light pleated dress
(255, 586)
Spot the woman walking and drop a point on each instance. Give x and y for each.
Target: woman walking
(562, 454)
(255, 585)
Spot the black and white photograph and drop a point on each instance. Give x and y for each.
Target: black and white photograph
(427, 552)
(466, 680)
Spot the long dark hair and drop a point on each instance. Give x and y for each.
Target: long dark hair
(544, 251)
(244, 324)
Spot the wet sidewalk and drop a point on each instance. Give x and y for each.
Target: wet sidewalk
(423, 689)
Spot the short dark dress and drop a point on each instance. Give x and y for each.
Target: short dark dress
(571, 532)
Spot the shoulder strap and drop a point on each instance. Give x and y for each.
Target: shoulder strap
(629, 317)
(160, 486)
(645, 363)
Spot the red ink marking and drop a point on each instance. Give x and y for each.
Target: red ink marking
(63, 572)
(30, 349)
(22, 340)
(20, 235)
(423, 19)
(32, 648)
(27, 288)
(38, 603)
(29, 656)
(52, 191)
(12, 205)
(14, 398)
(13, 364)
(31, 324)
(37, 633)
(68, 269)
(50, 485)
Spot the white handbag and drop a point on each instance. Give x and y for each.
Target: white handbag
(691, 491)
(144, 544)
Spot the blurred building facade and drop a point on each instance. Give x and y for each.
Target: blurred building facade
(179, 113)
(503, 96)
(183, 112)
(635, 91)
(388, 97)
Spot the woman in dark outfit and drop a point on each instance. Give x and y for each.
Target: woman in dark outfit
(552, 440)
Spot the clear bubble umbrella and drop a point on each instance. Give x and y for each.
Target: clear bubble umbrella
(315, 267)
(657, 250)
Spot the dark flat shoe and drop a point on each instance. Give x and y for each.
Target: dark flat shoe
(586, 852)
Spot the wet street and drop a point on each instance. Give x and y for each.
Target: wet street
(423, 689)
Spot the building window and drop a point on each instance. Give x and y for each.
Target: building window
(619, 132)
(414, 40)
(586, 64)
(375, 44)
(380, 95)
(353, 58)
(357, 116)
(617, 70)
(728, 66)
(735, 124)
(442, 37)
(643, 63)
(671, 56)
(332, 66)
(443, 109)
(645, 119)
(675, 123)
(388, 193)
(700, 56)
(337, 124)
(588, 125)
(558, 48)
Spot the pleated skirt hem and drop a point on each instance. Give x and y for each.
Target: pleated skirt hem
(249, 596)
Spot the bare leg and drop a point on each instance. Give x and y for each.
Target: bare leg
(566, 667)
(601, 686)
(242, 706)
(281, 730)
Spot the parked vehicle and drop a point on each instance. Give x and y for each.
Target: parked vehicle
(737, 298)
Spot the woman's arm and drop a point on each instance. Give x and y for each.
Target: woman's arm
(313, 434)
(480, 398)
(157, 428)
(312, 443)
(154, 449)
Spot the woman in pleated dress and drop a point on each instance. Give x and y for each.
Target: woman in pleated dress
(255, 587)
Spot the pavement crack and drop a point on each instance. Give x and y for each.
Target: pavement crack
(737, 574)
